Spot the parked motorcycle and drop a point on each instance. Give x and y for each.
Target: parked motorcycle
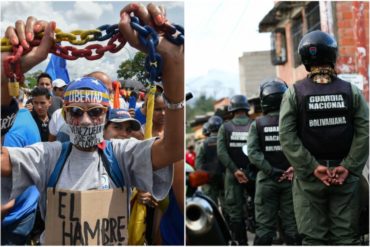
(205, 224)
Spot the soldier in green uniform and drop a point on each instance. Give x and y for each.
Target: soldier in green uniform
(208, 161)
(273, 197)
(324, 123)
(232, 135)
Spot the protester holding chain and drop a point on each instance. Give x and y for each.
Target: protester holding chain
(143, 164)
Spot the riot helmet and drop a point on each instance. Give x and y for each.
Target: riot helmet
(238, 102)
(271, 94)
(318, 48)
(214, 123)
(205, 129)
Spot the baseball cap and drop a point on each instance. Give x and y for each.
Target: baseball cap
(59, 83)
(88, 90)
(120, 116)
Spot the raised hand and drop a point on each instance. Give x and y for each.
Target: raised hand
(24, 33)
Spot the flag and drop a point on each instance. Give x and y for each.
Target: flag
(57, 68)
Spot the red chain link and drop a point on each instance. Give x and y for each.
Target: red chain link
(12, 65)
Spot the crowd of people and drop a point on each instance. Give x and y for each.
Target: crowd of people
(294, 174)
(80, 115)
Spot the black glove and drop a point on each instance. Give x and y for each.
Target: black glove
(276, 173)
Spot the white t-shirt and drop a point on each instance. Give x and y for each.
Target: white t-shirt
(56, 122)
(85, 171)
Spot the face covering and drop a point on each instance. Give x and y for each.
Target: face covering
(322, 74)
(8, 114)
(86, 136)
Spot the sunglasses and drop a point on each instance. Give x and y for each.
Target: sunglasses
(59, 88)
(94, 112)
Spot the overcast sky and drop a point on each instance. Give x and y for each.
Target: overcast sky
(217, 33)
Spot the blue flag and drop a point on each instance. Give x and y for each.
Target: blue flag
(57, 68)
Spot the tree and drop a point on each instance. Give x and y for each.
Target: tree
(202, 105)
(32, 78)
(133, 69)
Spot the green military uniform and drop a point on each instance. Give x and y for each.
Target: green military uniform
(215, 189)
(313, 201)
(235, 198)
(272, 199)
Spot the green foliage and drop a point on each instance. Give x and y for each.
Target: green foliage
(133, 69)
(31, 78)
(202, 105)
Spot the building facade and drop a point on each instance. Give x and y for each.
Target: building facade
(253, 68)
(347, 21)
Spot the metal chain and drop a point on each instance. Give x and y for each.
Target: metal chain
(147, 35)
(149, 39)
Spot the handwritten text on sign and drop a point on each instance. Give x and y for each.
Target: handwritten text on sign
(95, 217)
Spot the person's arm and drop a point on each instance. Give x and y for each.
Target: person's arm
(298, 156)
(178, 183)
(255, 153)
(52, 138)
(170, 148)
(222, 153)
(199, 158)
(359, 152)
(23, 33)
(6, 166)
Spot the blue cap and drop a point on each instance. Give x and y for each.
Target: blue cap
(120, 115)
(87, 90)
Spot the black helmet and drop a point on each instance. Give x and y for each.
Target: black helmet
(318, 48)
(271, 94)
(238, 102)
(214, 123)
(205, 129)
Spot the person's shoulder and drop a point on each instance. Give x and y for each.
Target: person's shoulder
(300, 81)
(23, 113)
(124, 142)
(57, 99)
(341, 80)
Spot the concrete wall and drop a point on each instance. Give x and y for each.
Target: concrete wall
(253, 68)
(353, 40)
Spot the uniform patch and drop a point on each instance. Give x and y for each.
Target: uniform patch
(312, 50)
(273, 148)
(239, 136)
(322, 122)
(272, 138)
(326, 102)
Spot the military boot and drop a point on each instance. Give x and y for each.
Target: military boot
(263, 240)
(239, 232)
(293, 240)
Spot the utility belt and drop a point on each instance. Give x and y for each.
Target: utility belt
(330, 163)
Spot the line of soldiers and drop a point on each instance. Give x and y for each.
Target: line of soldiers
(300, 163)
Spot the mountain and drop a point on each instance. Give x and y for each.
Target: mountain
(216, 84)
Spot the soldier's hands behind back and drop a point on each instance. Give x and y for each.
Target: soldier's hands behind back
(241, 177)
(288, 174)
(276, 174)
(323, 174)
(339, 175)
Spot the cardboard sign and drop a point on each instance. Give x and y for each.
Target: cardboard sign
(94, 217)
